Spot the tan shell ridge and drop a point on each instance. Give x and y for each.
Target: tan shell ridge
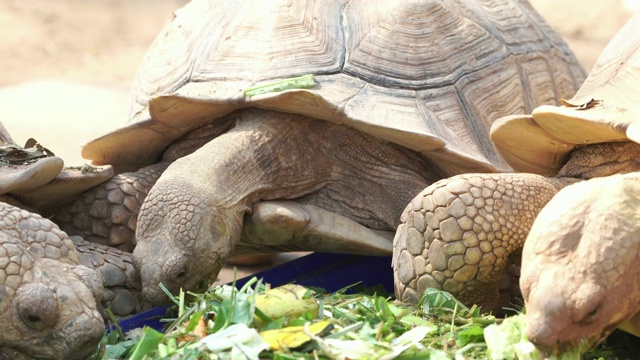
(605, 109)
(429, 75)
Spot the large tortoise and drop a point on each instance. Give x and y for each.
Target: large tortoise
(580, 261)
(404, 95)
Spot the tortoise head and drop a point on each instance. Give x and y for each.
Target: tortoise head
(580, 263)
(53, 313)
(182, 242)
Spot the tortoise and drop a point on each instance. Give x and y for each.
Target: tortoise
(33, 181)
(585, 239)
(579, 267)
(404, 95)
(54, 288)
(49, 301)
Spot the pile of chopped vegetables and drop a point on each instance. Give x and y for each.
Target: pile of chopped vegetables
(293, 322)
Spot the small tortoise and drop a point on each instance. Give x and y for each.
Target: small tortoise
(48, 301)
(51, 294)
(38, 178)
(404, 95)
(580, 262)
(53, 288)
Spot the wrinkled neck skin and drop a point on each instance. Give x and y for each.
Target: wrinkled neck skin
(192, 218)
(602, 159)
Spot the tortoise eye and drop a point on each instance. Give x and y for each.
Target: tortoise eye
(37, 307)
(592, 314)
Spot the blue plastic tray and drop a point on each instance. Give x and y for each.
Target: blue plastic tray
(331, 272)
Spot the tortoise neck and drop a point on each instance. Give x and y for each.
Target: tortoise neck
(257, 159)
(270, 155)
(602, 159)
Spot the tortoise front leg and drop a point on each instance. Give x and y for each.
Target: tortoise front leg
(285, 225)
(458, 234)
(107, 214)
(122, 287)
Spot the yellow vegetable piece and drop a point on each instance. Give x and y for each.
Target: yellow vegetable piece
(293, 336)
(288, 301)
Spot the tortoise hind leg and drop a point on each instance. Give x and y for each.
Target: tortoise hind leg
(458, 234)
(285, 225)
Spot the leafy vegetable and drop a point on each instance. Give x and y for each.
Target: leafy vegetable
(292, 322)
(300, 82)
(507, 341)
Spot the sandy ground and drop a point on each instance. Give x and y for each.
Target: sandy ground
(67, 65)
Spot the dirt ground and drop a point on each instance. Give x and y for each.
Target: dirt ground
(67, 65)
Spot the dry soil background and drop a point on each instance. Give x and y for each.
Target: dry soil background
(66, 65)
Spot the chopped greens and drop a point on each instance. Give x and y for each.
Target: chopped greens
(293, 322)
(300, 82)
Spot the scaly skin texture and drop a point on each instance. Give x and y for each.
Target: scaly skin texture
(108, 213)
(193, 217)
(581, 263)
(45, 239)
(458, 234)
(603, 159)
(122, 287)
(48, 309)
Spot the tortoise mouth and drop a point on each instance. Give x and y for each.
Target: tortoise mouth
(155, 297)
(568, 343)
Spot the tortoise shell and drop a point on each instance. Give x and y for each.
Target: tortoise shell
(604, 109)
(429, 75)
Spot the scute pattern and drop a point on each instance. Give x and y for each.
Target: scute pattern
(375, 44)
(387, 68)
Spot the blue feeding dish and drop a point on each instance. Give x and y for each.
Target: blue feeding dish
(331, 272)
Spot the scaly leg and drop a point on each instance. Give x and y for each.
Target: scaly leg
(458, 234)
